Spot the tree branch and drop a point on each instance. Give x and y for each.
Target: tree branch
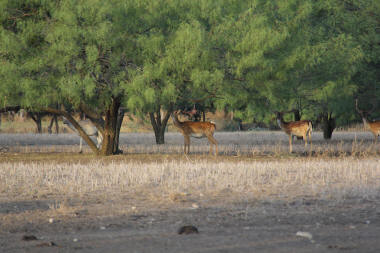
(10, 109)
(80, 130)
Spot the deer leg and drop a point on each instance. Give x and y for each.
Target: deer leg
(290, 143)
(187, 143)
(305, 139)
(210, 143)
(80, 145)
(99, 139)
(311, 143)
(212, 140)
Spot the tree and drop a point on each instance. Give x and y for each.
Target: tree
(295, 55)
(76, 53)
(177, 65)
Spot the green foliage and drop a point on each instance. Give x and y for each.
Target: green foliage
(307, 55)
(176, 61)
(250, 57)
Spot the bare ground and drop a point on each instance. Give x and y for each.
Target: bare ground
(226, 222)
(352, 225)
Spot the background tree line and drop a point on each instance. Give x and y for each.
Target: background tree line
(314, 57)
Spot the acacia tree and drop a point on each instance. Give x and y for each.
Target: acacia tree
(294, 55)
(69, 52)
(177, 65)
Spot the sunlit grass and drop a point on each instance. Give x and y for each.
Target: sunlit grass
(319, 178)
(255, 164)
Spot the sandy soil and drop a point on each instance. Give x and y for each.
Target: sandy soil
(352, 225)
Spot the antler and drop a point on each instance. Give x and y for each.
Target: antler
(356, 107)
(373, 107)
(283, 112)
(362, 111)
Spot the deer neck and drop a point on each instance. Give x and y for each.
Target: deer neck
(281, 122)
(176, 121)
(365, 120)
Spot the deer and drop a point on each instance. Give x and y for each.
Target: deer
(302, 128)
(197, 130)
(90, 130)
(373, 126)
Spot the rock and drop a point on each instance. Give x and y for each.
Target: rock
(46, 244)
(188, 230)
(29, 238)
(195, 206)
(305, 235)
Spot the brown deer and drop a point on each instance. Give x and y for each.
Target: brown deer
(302, 128)
(373, 126)
(197, 130)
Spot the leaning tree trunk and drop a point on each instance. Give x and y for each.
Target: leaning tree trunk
(78, 127)
(328, 125)
(159, 125)
(110, 126)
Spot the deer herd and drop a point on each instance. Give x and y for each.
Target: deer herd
(197, 129)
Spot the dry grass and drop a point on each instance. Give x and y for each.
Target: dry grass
(251, 166)
(283, 178)
(255, 164)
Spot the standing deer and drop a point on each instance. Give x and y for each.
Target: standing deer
(90, 130)
(197, 130)
(373, 126)
(302, 128)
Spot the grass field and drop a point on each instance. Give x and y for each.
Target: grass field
(255, 164)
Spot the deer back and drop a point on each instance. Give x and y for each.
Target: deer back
(298, 128)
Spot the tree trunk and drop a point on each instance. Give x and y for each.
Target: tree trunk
(110, 126)
(54, 119)
(328, 124)
(36, 117)
(297, 117)
(56, 124)
(80, 130)
(120, 118)
(159, 125)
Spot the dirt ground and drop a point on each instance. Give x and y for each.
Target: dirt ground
(352, 225)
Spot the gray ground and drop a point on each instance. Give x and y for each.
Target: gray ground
(266, 142)
(352, 225)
